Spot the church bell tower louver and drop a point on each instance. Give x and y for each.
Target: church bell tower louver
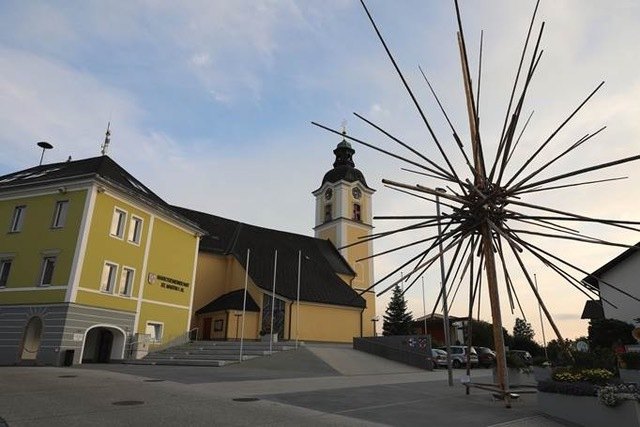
(344, 214)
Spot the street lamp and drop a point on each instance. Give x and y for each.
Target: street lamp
(445, 308)
(375, 320)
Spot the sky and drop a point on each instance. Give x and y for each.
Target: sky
(211, 104)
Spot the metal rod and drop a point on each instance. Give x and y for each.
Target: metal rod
(244, 301)
(273, 300)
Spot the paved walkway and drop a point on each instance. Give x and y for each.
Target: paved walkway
(320, 385)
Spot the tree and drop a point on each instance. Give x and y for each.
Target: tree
(482, 334)
(607, 332)
(396, 319)
(522, 330)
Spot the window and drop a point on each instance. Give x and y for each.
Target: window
(356, 212)
(135, 230)
(218, 325)
(60, 214)
(5, 267)
(108, 277)
(126, 281)
(118, 222)
(154, 329)
(17, 219)
(48, 265)
(327, 212)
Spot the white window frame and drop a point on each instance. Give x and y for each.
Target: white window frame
(132, 237)
(109, 276)
(117, 226)
(125, 287)
(43, 269)
(156, 326)
(17, 219)
(3, 263)
(60, 214)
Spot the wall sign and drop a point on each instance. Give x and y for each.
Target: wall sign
(167, 282)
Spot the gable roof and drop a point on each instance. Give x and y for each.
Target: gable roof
(321, 261)
(592, 279)
(230, 301)
(101, 167)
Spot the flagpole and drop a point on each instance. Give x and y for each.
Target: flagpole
(424, 308)
(544, 339)
(273, 300)
(244, 300)
(298, 298)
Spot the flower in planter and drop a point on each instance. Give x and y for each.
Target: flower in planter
(607, 395)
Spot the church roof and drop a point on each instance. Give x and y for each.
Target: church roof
(321, 261)
(102, 168)
(344, 169)
(230, 301)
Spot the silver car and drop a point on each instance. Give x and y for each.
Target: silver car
(459, 356)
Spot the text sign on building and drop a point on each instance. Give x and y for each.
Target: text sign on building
(167, 282)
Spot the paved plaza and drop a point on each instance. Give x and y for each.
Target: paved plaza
(316, 385)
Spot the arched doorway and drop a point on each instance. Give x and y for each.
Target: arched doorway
(103, 344)
(31, 339)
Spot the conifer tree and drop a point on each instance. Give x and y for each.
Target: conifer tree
(396, 319)
(523, 330)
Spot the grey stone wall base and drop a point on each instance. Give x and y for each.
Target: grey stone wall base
(588, 411)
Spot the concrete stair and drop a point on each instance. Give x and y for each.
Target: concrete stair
(210, 353)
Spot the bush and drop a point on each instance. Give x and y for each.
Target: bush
(630, 360)
(572, 388)
(596, 358)
(574, 375)
(540, 361)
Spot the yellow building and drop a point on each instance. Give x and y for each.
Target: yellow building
(91, 262)
(330, 281)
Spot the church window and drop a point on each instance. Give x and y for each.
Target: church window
(327, 212)
(356, 212)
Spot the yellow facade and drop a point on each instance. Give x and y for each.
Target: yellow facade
(329, 323)
(106, 282)
(37, 231)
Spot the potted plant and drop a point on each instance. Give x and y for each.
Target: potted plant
(518, 372)
(587, 397)
(630, 367)
(541, 369)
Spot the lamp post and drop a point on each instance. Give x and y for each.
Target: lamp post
(445, 308)
(375, 320)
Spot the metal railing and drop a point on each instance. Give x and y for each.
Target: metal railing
(189, 336)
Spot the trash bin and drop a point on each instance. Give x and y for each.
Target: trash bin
(68, 357)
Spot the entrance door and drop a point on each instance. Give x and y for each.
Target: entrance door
(105, 342)
(206, 329)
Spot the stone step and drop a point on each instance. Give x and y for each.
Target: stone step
(183, 362)
(230, 356)
(210, 353)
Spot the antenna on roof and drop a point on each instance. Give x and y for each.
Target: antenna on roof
(107, 140)
(45, 146)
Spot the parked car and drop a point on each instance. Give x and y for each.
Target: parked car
(439, 357)
(459, 356)
(486, 356)
(522, 354)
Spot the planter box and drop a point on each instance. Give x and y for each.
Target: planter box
(516, 377)
(541, 373)
(588, 411)
(630, 375)
(269, 338)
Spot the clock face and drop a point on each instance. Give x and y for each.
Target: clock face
(356, 193)
(328, 194)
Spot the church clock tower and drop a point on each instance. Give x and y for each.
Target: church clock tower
(344, 215)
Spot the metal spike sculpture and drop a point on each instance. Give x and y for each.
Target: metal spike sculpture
(483, 209)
